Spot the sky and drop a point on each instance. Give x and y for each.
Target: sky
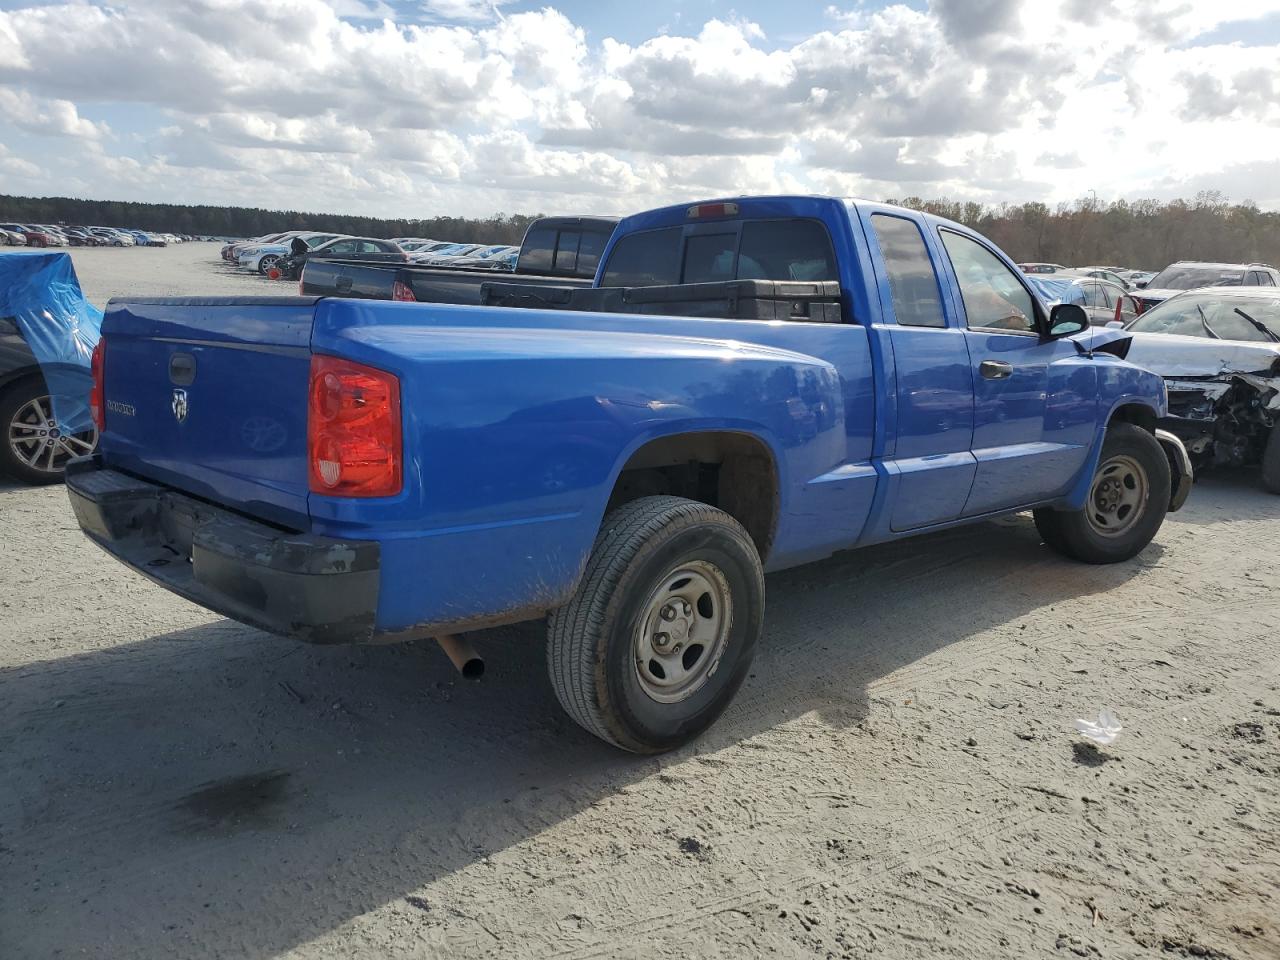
(421, 108)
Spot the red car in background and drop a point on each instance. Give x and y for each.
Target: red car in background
(35, 236)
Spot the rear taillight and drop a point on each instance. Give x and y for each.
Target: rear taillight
(354, 443)
(97, 393)
(403, 292)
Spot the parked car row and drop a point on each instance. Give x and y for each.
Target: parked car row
(281, 256)
(63, 235)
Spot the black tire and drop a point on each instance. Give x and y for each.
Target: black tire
(591, 641)
(12, 400)
(1076, 535)
(1271, 461)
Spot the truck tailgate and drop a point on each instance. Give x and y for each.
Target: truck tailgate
(209, 395)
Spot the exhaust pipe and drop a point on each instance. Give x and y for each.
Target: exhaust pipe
(464, 656)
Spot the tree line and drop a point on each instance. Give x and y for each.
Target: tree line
(1144, 234)
(235, 222)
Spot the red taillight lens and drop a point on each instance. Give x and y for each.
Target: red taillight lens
(703, 210)
(403, 292)
(97, 393)
(354, 443)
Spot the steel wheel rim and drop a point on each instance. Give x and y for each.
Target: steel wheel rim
(267, 262)
(683, 631)
(1118, 497)
(39, 442)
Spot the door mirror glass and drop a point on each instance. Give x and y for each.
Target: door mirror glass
(1066, 319)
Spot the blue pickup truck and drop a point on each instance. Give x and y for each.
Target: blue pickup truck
(368, 471)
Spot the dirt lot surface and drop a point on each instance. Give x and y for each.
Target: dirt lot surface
(899, 778)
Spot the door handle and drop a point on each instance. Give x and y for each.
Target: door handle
(995, 369)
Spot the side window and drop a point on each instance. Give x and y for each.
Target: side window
(645, 259)
(567, 251)
(1253, 279)
(1105, 299)
(993, 297)
(1128, 309)
(341, 249)
(369, 247)
(917, 301)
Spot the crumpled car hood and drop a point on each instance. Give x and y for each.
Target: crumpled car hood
(1170, 355)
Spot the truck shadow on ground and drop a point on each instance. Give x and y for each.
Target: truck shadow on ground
(216, 791)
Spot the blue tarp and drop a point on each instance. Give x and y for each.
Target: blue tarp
(41, 292)
(1056, 289)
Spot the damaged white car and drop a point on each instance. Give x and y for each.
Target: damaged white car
(1218, 350)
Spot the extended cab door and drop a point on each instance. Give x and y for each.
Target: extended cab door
(931, 458)
(1034, 411)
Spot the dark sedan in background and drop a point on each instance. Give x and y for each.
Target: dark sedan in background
(366, 249)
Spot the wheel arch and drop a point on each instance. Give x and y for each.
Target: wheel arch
(733, 470)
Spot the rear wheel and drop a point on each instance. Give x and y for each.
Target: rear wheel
(1127, 502)
(36, 447)
(1271, 461)
(661, 632)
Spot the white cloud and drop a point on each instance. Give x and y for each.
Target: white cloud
(332, 104)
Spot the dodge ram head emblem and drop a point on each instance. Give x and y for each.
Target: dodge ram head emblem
(179, 405)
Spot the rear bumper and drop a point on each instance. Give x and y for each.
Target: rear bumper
(316, 589)
(1181, 475)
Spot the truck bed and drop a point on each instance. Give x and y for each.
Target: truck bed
(374, 281)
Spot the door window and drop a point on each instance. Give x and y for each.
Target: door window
(994, 298)
(912, 282)
(1128, 309)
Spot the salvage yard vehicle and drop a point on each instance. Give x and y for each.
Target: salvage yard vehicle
(342, 470)
(38, 435)
(555, 251)
(1189, 275)
(1219, 353)
(261, 257)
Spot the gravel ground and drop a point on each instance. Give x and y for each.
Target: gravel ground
(899, 778)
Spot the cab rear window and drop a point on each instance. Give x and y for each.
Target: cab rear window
(732, 250)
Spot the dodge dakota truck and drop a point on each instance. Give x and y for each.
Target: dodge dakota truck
(555, 251)
(344, 470)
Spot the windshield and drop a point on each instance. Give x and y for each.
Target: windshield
(1180, 277)
(1226, 317)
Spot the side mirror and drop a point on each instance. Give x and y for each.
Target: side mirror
(1066, 319)
(1114, 325)
(1142, 284)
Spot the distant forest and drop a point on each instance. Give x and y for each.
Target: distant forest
(1146, 234)
(239, 222)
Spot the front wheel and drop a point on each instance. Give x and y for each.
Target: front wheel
(662, 629)
(1127, 502)
(266, 263)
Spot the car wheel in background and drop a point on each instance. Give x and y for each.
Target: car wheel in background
(661, 631)
(1128, 500)
(1271, 461)
(33, 446)
(267, 262)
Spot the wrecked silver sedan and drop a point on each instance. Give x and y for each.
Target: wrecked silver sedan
(1218, 350)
